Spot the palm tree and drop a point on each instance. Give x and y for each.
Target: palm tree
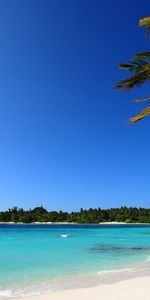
(139, 67)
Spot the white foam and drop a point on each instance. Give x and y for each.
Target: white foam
(32, 294)
(114, 271)
(5, 293)
(64, 235)
(148, 259)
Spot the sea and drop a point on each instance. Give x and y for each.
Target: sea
(36, 259)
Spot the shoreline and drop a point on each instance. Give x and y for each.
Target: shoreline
(71, 223)
(137, 288)
(101, 284)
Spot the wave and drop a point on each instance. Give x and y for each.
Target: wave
(148, 259)
(27, 292)
(114, 271)
(6, 293)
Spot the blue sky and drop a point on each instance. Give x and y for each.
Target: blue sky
(64, 137)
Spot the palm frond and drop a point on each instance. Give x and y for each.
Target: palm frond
(141, 100)
(139, 67)
(144, 113)
(133, 81)
(145, 55)
(130, 67)
(145, 22)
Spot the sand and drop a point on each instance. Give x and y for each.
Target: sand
(131, 289)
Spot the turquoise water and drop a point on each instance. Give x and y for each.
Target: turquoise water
(35, 258)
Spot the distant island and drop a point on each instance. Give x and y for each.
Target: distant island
(84, 216)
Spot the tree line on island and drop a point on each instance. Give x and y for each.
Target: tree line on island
(90, 216)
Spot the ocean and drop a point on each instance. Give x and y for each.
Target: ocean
(42, 258)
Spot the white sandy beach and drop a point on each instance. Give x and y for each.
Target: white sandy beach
(132, 289)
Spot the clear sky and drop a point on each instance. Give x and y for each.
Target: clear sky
(64, 137)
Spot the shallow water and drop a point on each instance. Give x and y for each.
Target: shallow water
(39, 258)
